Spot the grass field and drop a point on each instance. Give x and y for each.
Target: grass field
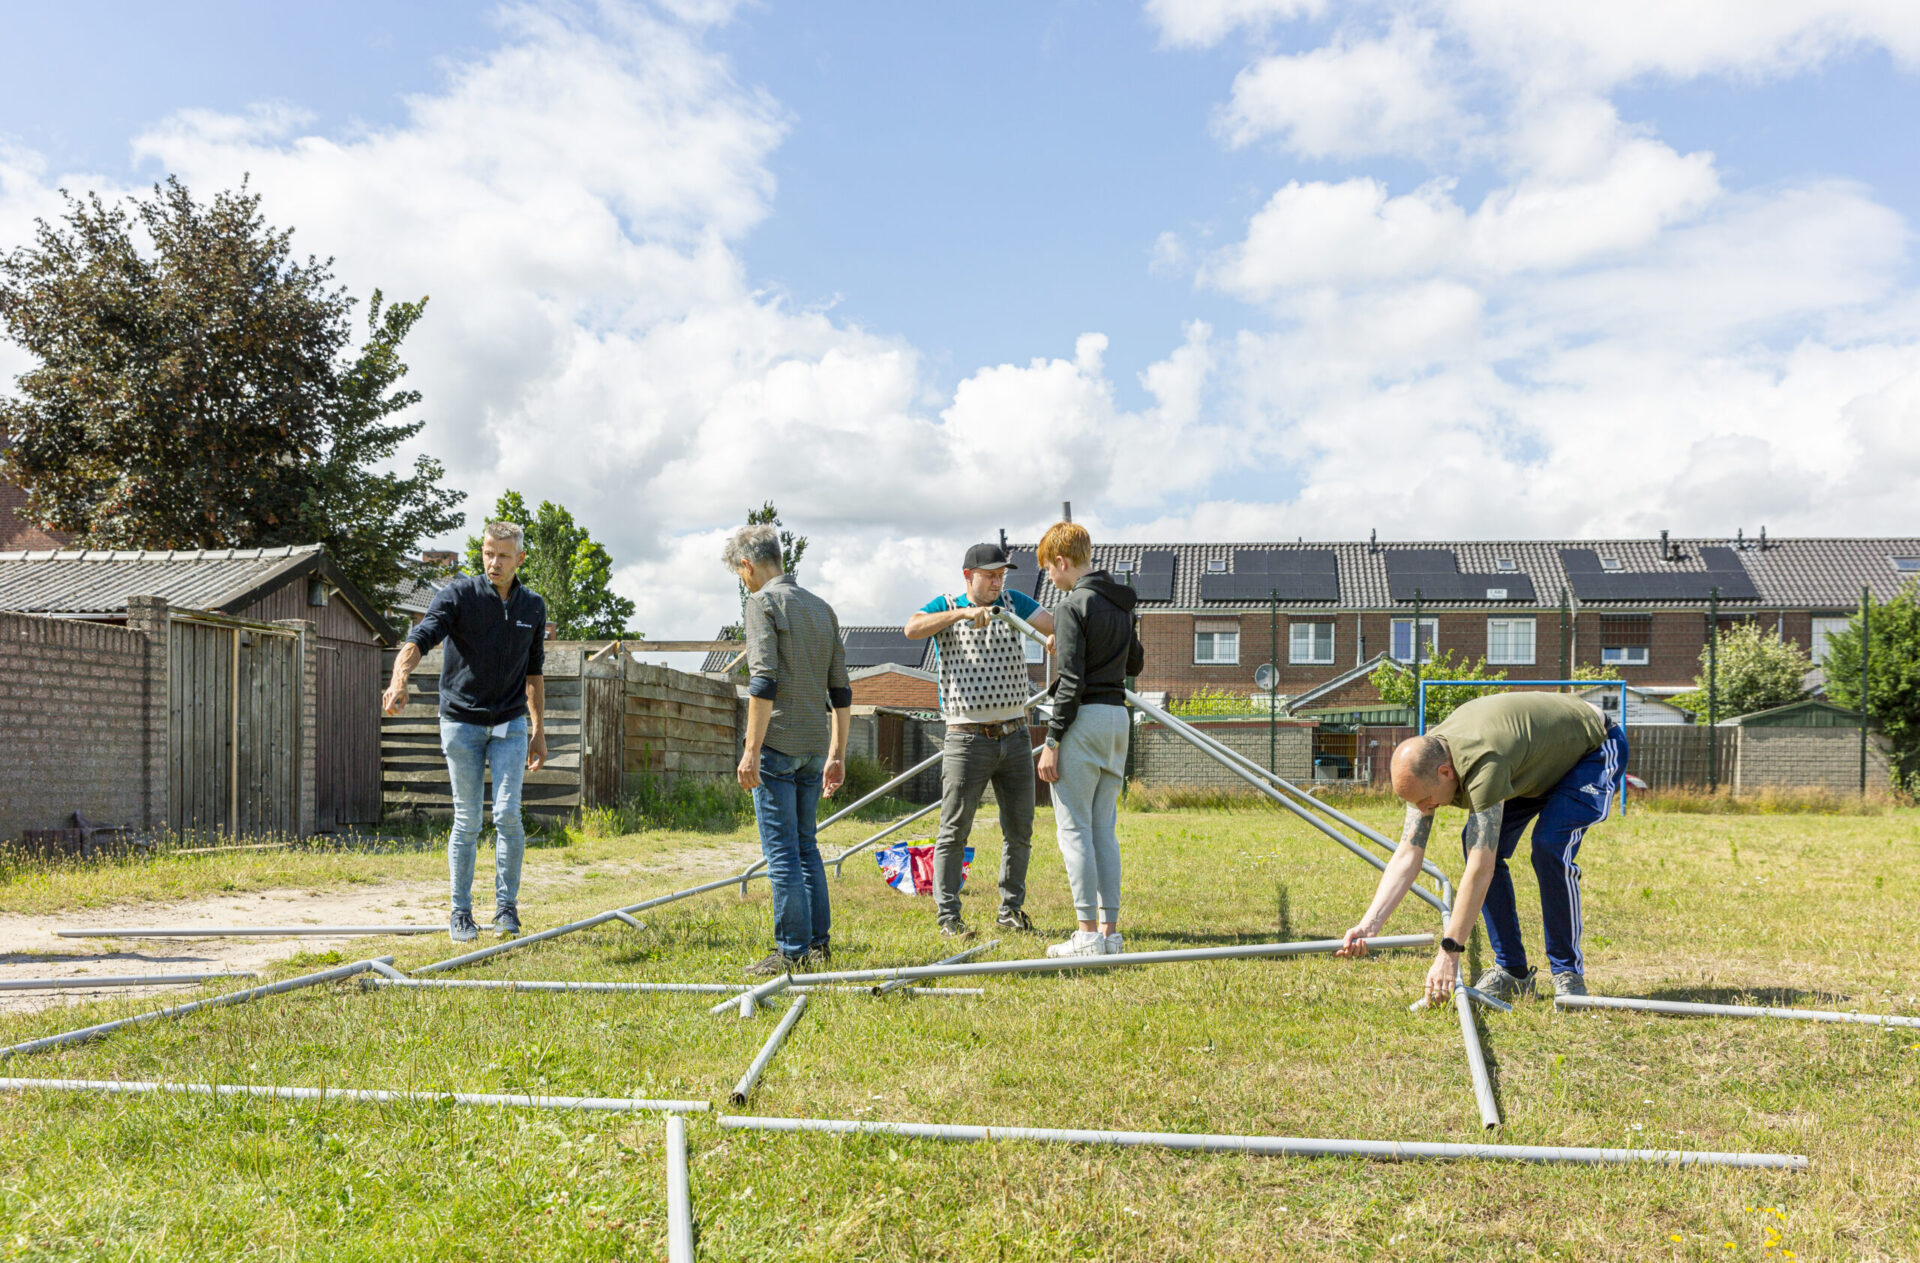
(1816, 910)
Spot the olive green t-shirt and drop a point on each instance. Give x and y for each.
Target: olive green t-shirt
(1517, 745)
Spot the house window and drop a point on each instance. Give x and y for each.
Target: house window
(1906, 565)
(1216, 648)
(1216, 567)
(1823, 629)
(1610, 563)
(1310, 642)
(1403, 638)
(1510, 641)
(1035, 651)
(1625, 639)
(1506, 563)
(1123, 567)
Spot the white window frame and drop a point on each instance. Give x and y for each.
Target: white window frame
(1624, 656)
(1506, 565)
(1823, 630)
(1432, 626)
(1610, 563)
(1216, 566)
(1512, 657)
(1316, 654)
(1213, 644)
(1905, 565)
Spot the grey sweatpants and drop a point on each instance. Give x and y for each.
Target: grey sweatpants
(968, 764)
(1086, 803)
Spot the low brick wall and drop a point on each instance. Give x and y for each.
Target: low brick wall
(1806, 758)
(1164, 759)
(74, 707)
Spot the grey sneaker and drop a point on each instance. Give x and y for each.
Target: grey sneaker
(1569, 984)
(460, 926)
(1082, 943)
(1015, 919)
(954, 927)
(1501, 985)
(1112, 944)
(772, 965)
(506, 920)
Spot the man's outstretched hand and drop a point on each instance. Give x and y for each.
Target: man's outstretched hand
(1354, 941)
(1440, 977)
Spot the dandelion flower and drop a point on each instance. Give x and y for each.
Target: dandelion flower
(1673, 1236)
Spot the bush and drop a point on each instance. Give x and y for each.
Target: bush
(1212, 701)
(1756, 670)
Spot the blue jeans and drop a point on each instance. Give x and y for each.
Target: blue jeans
(785, 805)
(470, 749)
(1582, 798)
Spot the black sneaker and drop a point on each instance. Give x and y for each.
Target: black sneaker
(954, 927)
(506, 920)
(820, 953)
(1015, 919)
(460, 927)
(772, 965)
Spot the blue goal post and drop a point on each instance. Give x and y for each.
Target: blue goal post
(1620, 789)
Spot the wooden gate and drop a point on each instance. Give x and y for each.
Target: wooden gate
(346, 733)
(233, 710)
(603, 719)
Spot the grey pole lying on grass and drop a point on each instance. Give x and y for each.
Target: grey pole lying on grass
(679, 1201)
(1476, 1055)
(255, 931)
(364, 1096)
(181, 1010)
(127, 980)
(1276, 1146)
(954, 959)
(1680, 1008)
(871, 796)
(386, 971)
(616, 988)
(759, 1066)
(1473, 993)
(1041, 965)
(750, 999)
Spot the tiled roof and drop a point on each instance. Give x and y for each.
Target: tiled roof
(718, 659)
(15, 530)
(1788, 573)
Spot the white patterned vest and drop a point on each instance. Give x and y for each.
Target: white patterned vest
(983, 672)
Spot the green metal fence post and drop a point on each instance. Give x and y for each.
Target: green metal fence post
(1713, 691)
(1866, 636)
(1273, 689)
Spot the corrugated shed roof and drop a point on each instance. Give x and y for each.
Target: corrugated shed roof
(718, 659)
(98, 581)
(1789, 573)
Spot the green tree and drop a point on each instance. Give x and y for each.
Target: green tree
(792, 549)
(1893, 675)
(567, 567)
(191, 390)
(1757, 671)
(1396, 687)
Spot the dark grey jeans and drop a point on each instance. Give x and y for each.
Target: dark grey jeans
(969, 764)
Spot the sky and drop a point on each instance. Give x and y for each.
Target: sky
(1209, 269)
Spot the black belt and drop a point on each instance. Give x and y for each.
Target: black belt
(1006, 729)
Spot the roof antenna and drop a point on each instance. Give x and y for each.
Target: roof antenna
(1066, 510)
(1003, 539)
(1763, 539)
(1373, 540)
(1740, 538)
(1666, 549)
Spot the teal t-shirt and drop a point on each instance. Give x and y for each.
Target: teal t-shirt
(1019, 602)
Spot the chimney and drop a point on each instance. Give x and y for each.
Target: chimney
(1763, 539)
(1003, 539)
(1666, 549)
(1373, 540)
(1066, 510)
(1740, 538)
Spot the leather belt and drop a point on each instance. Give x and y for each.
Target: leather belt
(1008, 728)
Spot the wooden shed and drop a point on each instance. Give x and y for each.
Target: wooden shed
(237, 675)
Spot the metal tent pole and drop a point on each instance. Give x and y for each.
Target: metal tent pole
(1275, 1146)
(254, 931)
(1476, 1056)
(759, 1066)
(1685, 1009)
(954, 959)
(679, 1203)
(1473, 993)
(626, 988)
(181, 1010)
(362, 1096)
(895, 827)
(128, 980)
(1042, 965)
(750, 999)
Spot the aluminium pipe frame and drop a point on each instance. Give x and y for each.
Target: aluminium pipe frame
(616, 988)
(1473, 993)
(1276, 1146)
(871, 796)
(363, 1096)
(1259, 777)
(181, 1010)
(954, 959)
(742, 1089)
(895, 827)
(127, 980)
(261, 931)
(751, 999)
(1476, 1055)
(1679, 1008)
(679, 1200)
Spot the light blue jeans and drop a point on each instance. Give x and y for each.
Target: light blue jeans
(785, 806)
(470, 750)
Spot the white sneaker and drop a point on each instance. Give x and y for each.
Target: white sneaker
(1111, 946)
(1083, 943)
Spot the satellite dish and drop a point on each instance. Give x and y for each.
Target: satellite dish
(1265, 677)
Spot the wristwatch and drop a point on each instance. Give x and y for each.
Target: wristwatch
(1053, 742)
(1448, 945)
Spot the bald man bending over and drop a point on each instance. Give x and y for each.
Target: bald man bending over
(1507, 760)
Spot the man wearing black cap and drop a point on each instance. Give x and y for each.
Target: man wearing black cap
(982, 665)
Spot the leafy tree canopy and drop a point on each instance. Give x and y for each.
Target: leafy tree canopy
(792, 549)
(567, 567)
(1893, 676)
(192, 390)
(1758, 670)
(1396, 685)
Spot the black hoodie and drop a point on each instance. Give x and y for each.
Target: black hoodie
(1096, 646)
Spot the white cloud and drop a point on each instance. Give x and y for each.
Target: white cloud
(1201, 23)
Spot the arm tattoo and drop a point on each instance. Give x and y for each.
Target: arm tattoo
(1483, 829)
(1416, 829)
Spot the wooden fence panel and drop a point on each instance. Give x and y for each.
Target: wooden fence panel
(1674, 756)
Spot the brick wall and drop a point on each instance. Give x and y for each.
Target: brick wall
(1162, 758)
(16, 532)
(1822, 758)
(74, 705)
(887, 688)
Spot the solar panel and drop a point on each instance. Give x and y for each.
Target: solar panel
(871, 648)
(1592, 582)
(1436, 573)
(1027, 573)
(1292, 574)
(1153, 575)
